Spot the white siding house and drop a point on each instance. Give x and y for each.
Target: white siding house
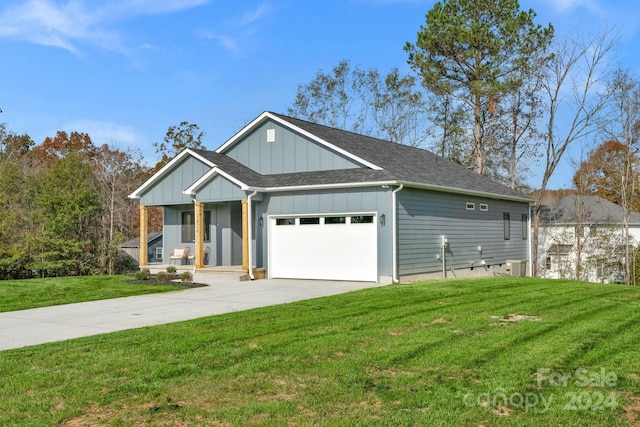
(583, 237)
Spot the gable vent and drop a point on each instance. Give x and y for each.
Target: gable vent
(271, 135)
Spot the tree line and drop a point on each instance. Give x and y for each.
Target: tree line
(488, 88)
(64, 206)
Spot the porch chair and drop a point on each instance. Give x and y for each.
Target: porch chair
(179, 253)
(191, 259)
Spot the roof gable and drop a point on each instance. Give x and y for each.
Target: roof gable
(290, 149)
(168, 169)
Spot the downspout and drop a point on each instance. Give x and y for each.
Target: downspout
(249, 233)
(530, 245)
(394, 232)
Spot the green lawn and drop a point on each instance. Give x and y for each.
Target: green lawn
(491, 352)
(33, 293)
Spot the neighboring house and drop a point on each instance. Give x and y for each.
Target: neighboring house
(307, 201)
(589, 229)
(154, 248)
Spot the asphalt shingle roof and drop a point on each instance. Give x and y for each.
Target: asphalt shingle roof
(398, 162)
(586, 210)
(404, 163)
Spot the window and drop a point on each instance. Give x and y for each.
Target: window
(158, 253)
(189, 227)
(547, 263)
(579, 229)
(525, 226)
(335, 220)
(362, 219)
(484, 207)
(471, 206)
(271, 135)
(506, 220)
(286, 221)
(310, 221)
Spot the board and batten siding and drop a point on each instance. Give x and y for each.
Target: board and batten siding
(289, 152)
(169, 189)
(375, 200)
(424, 216)
(220, 189)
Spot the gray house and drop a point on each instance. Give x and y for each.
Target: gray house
(302, 200)
(154, 248)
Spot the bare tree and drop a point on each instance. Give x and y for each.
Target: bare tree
(387, 106)
(573, 77)
(624, 127)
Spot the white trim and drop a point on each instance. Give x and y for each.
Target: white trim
(394, 234)
(326, 186)
(439, 188)
(209, 175)
(267, 115)
(162, 172)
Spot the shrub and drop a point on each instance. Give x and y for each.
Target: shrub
(186, 277)
(171, 269)
(142, 275)
(162, 277)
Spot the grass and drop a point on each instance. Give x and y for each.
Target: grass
(459, 352)
(34, 293)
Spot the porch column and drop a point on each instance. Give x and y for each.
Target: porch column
(245, 234)
(144, 233)
(199, 255)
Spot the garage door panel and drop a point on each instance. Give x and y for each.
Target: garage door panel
(324, 251)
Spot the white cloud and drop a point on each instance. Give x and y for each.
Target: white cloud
(254, 15)
(239, 30)
(226, 42)
(102, 132)
(69, 24)
(567, 6)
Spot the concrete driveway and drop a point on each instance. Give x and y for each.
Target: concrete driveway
(49, 324)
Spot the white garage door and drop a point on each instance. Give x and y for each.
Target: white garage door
(336, 247)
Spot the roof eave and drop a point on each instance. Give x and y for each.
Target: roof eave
(421, 186)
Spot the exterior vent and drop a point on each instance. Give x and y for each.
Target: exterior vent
(517, 268)
(271, 135)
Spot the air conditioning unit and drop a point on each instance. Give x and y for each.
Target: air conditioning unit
(517, 268)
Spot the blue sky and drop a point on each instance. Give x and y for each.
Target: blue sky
(125, 70)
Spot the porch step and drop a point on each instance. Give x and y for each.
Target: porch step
(222, 276)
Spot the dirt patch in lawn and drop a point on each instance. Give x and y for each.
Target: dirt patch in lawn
(511, 318)
(632, 411)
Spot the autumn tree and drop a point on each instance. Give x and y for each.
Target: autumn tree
(602, 173)
(55, 148)
(177, 138)
(475, 52)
